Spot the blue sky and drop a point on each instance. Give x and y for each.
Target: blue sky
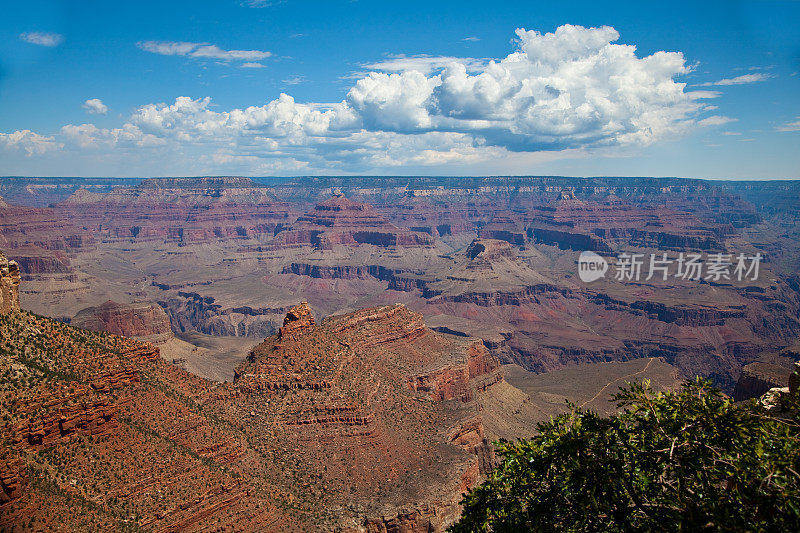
(356, 87)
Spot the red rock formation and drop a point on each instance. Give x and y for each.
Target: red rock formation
(144, 320)
(340, 221)
(40, 240)
(298, 320)
(39, 229)
(505, 227)
(78, 413)
(367, 391)
(568, 222)
(9, 285)
(406, 521)
(13, 478)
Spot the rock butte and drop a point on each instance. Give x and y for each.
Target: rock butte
(143, 320)
(340, 221)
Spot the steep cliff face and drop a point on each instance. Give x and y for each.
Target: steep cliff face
(41, 241)
(189, 311)
(758, 378)
(9, 285)
(571, 223)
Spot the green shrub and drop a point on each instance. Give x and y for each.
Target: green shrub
(677, 461)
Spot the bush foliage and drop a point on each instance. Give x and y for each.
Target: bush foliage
(689, 460)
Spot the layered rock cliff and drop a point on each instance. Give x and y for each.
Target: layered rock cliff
(98, 433)
(180, 210)
(341, 221)
(143, 320)
(362, 400)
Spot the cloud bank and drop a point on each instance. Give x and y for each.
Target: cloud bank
(557, 94)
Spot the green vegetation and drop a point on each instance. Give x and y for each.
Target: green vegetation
(678, 461)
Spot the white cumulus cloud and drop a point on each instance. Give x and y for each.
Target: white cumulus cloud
(95, 106)
(556, 95)
(31, 142)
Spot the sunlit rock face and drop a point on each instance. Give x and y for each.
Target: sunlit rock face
(143, 320)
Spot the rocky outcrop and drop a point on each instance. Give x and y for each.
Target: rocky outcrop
(13, 477)
(758, 378)
(365, 391)
(9, 285)
(298, 320)
(143, 320)
(504, 227)
(33, 262)
(423, 520)
(455, 381)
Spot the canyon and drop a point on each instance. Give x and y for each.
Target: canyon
(366, 421)
(257, 246)
(438, 315)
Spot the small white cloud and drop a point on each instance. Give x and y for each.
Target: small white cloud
(294, 80)
(201, 51)
(731, 133)
(41, 38)
(716, 120)
(470, 39)
(422, 63)
(261, 3)
(95, 106)
(702, 95)
(791, 126)
(739, 80)
(252, 65)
